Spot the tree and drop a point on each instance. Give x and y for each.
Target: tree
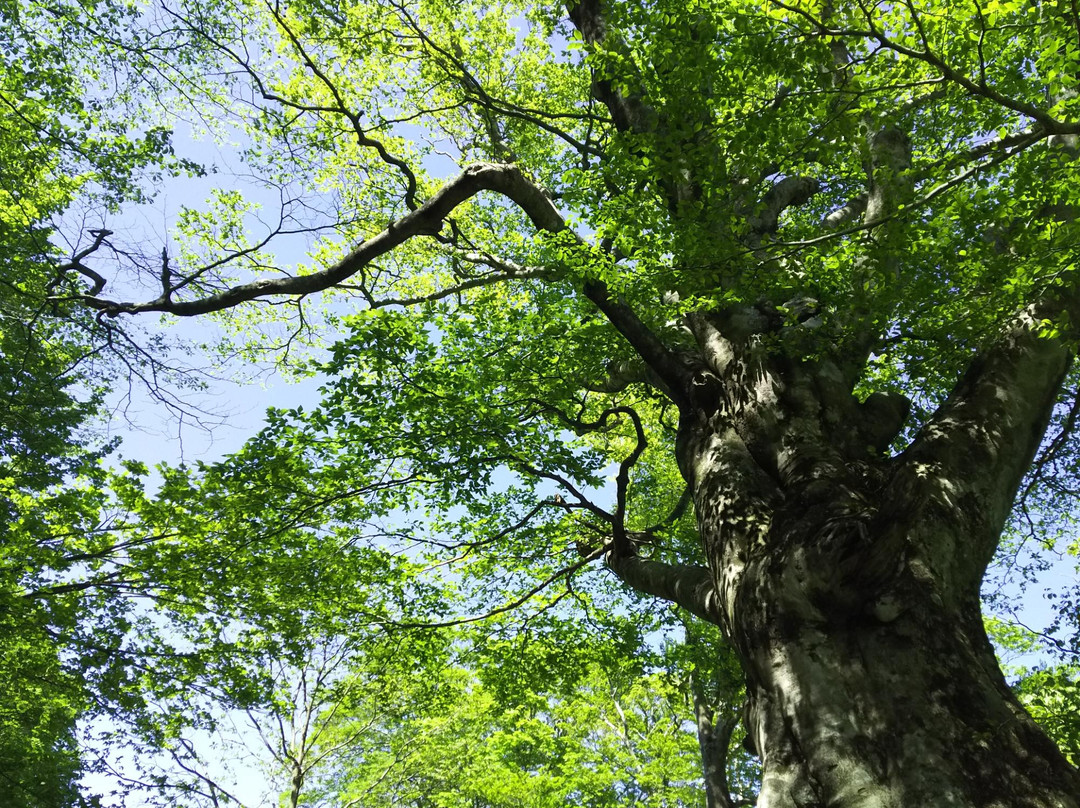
(814, 259)
(611, 743)
(427, 718)
(62, 153)
(443, 735)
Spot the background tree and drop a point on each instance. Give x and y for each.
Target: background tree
(443, 718)
(61, 154)
(809, 266)
(612, 732)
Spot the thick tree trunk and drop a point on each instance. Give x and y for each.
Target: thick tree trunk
(848, 581)
(880, 705)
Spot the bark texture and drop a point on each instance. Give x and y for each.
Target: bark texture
(849, 581)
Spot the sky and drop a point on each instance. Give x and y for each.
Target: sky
(234, 403)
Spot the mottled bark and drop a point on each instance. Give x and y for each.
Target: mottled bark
(848, 581)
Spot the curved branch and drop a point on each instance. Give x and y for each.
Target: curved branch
(1021, 143)
(76, 263)
(629, 112)
(516, 602)
(507, 180)
(362, 136)
(788, 192)
(685, 499)
(667, 364)
(714, 740)
(341, 108)
(476, 92)
(479, 282)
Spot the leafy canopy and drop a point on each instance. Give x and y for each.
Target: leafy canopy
(507, 208)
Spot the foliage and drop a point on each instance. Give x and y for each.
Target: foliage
(1052, 696)
(496, 414)
(610, 744)
(63, 151)
(399, 724)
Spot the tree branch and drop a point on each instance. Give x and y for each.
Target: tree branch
(516, 602)
(714, 740)
(362, 136)
(628, 111)
(507, 180)
(688, 586)
(621, 545)
(622, 374)
(787, 192)
(661, 360)
(478, 95)
(76, 263)
(978, 445)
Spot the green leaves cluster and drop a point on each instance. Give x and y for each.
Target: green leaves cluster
(464, 454)
(444, 737)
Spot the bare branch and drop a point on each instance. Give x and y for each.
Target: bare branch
(76, 263)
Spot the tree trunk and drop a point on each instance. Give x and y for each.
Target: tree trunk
(848, 580)
(714, 741)
(880, 705)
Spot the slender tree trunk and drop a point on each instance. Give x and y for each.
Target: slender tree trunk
(296, 784)
(714, 739)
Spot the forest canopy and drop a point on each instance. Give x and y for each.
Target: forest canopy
(695, 402)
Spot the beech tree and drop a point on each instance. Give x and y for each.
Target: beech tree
(807, 266)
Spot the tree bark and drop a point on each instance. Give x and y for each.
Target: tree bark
(866, 707)
(714, 740)
(848, 581)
